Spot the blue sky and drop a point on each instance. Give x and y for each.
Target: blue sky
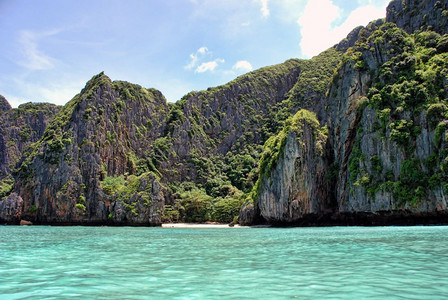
(50, 48)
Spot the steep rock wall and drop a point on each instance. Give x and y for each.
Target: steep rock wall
(19, 128)
(4, 104)
(99, 136)
(384, 145)
(293, 180)
(225, 118)
(387, 118)
(297, 185)
(423, 15)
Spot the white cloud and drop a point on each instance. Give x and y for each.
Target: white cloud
(57, 94)
(194, 57)
(317, 31)
(206, 66)
(209, 66)
(264, 8)
(242, 65)
(59, 91)
(360, 16)
(315, 24)
(33, 58)
(193, 61)
(289, 10)
(197, 61)
(203, 50)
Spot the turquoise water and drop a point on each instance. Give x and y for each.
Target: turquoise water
(40, 262)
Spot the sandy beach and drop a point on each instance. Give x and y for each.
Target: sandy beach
(195, 225)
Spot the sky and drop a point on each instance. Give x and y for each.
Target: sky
(51, 48)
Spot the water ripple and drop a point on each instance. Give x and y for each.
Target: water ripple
(268, 263)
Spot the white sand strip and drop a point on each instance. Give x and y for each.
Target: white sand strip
(194, 225)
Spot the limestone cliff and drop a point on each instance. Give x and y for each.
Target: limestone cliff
(419, 15)
(86, 167)
(387, 119)
(227, 118)
(214, 137)
(4, 104)
(90, 160)
(384, 115)
(293, 172)
(19, 128)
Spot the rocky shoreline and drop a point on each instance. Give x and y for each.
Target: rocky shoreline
(385, 218)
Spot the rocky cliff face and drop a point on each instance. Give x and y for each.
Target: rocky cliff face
(382, 136)
(386, 114)
(293, 182)
(214, 137)
(423, 15)
(4, 104)
(87, 167)
(19, 128)
(226, 118)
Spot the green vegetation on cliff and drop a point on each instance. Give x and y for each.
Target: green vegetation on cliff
(409, 93)
(274, 147)
(215, 137)
(19, 129)
(194, 204)
(6, 186)
(312, 84)
(128, 190)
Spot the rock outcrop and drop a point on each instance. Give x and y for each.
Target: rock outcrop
(387, 122)
(419, 15)
(11, 209)
(19, 128)
(379, 127)
(223, 119)
(293, 172)
(249, 213)
(98, 139)
(4, 104)
(144, 206)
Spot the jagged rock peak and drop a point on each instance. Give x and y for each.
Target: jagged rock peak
(101, 77)
(414, 15)
(95, 81)
(353, 36)
(97, 138)
(4, 104)
(349, 41)
(129, 91)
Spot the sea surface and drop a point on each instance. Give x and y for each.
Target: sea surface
(44, 262)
